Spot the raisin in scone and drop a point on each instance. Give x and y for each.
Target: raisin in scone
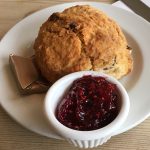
(81, 38)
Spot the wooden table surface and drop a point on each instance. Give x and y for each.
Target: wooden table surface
(15, 137)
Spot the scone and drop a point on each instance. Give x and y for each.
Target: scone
(81, 38)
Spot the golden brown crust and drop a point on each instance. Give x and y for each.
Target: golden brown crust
(81, 38)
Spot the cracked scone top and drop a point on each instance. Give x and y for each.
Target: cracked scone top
(81, 38)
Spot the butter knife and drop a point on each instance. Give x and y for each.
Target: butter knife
(139, 7)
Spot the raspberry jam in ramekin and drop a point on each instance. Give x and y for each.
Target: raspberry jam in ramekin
(90, 103)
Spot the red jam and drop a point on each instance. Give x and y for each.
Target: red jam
(91, 103)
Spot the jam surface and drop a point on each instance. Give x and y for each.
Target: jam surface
(90, 103)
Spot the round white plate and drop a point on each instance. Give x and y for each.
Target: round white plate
(28, 110)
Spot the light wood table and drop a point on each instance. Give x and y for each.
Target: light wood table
(15, 137)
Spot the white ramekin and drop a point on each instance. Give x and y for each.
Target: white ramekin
(83, 139)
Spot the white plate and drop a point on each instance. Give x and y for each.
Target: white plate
(27, 110)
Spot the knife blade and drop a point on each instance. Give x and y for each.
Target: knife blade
(139, 8)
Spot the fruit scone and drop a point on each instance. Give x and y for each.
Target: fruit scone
(81, 38)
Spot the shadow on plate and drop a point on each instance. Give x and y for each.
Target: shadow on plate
(130, 80)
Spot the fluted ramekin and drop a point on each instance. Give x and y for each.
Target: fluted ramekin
(84, 139)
